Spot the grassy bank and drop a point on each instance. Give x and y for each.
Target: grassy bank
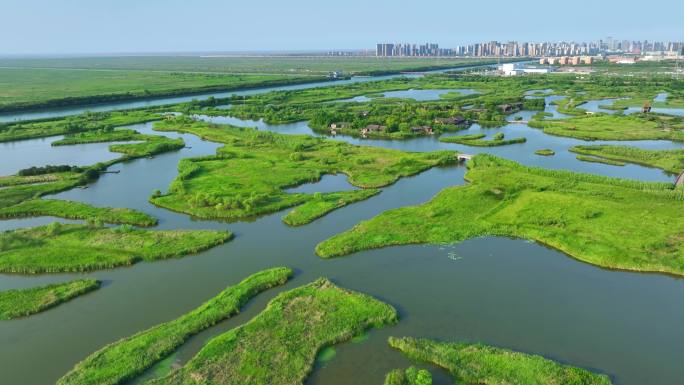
(545, 152)
(477, 141)
(480, 364)
(68, 248)
(322, 204)
(608, 222)
(145, 146)
(393, 118)
(249, 175)
(89, 121)
(24, 302)
(99, 136)
(123, 360)
(614, 127)
(16, 180)
(279, 346)
(150, 145)
(410, 376)
(18, 197)
(669, 160)
(76, 210)
(21, 189)
(594, 159)
(495, 99)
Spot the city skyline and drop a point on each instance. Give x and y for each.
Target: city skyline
(527, 48)
(80, 26)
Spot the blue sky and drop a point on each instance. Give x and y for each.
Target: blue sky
(101, 26)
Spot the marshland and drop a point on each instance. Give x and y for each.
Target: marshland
(491, 253)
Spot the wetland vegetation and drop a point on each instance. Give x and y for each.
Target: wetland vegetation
(612, 127)
(668, 160)
(123, 360)
(320, 66)
(595, 159)
(24, 302)
(608, 222)
(18, 189)
(279, 346)
(604, 221)
(32, 88)
(19, 193)
(410, 376)
(248, 176)
(478, 141)
(487, 365)
(60, 247)
(545, 152)
(76, 210)
(321, 204)
(89, 121)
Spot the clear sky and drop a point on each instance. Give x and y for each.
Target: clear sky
(102, 26)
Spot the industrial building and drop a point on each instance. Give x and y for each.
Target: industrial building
(515, 69)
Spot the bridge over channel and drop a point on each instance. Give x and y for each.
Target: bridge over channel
(464, 157)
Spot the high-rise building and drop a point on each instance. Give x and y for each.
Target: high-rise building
(529, 49)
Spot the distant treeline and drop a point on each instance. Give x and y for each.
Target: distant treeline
(49, 169)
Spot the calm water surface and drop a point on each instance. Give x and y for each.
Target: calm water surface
(18, 155)
(504, 292)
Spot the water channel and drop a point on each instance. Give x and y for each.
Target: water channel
(504, 292)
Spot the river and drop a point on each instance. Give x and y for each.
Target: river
(504, 292)
(161, 101)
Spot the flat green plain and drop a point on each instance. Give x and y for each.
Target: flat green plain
(48, 87)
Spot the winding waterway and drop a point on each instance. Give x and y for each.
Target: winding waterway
(504, 292)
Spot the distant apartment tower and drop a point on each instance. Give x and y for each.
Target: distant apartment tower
(384, 49)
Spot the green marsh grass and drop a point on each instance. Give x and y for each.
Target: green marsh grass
(249, 175)
(487, 365)
(60, 247)
(76, 210)
(410, 376)
(669, 160)
(129, 357)
(24, 302)
(609, 222)
(280, 345)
